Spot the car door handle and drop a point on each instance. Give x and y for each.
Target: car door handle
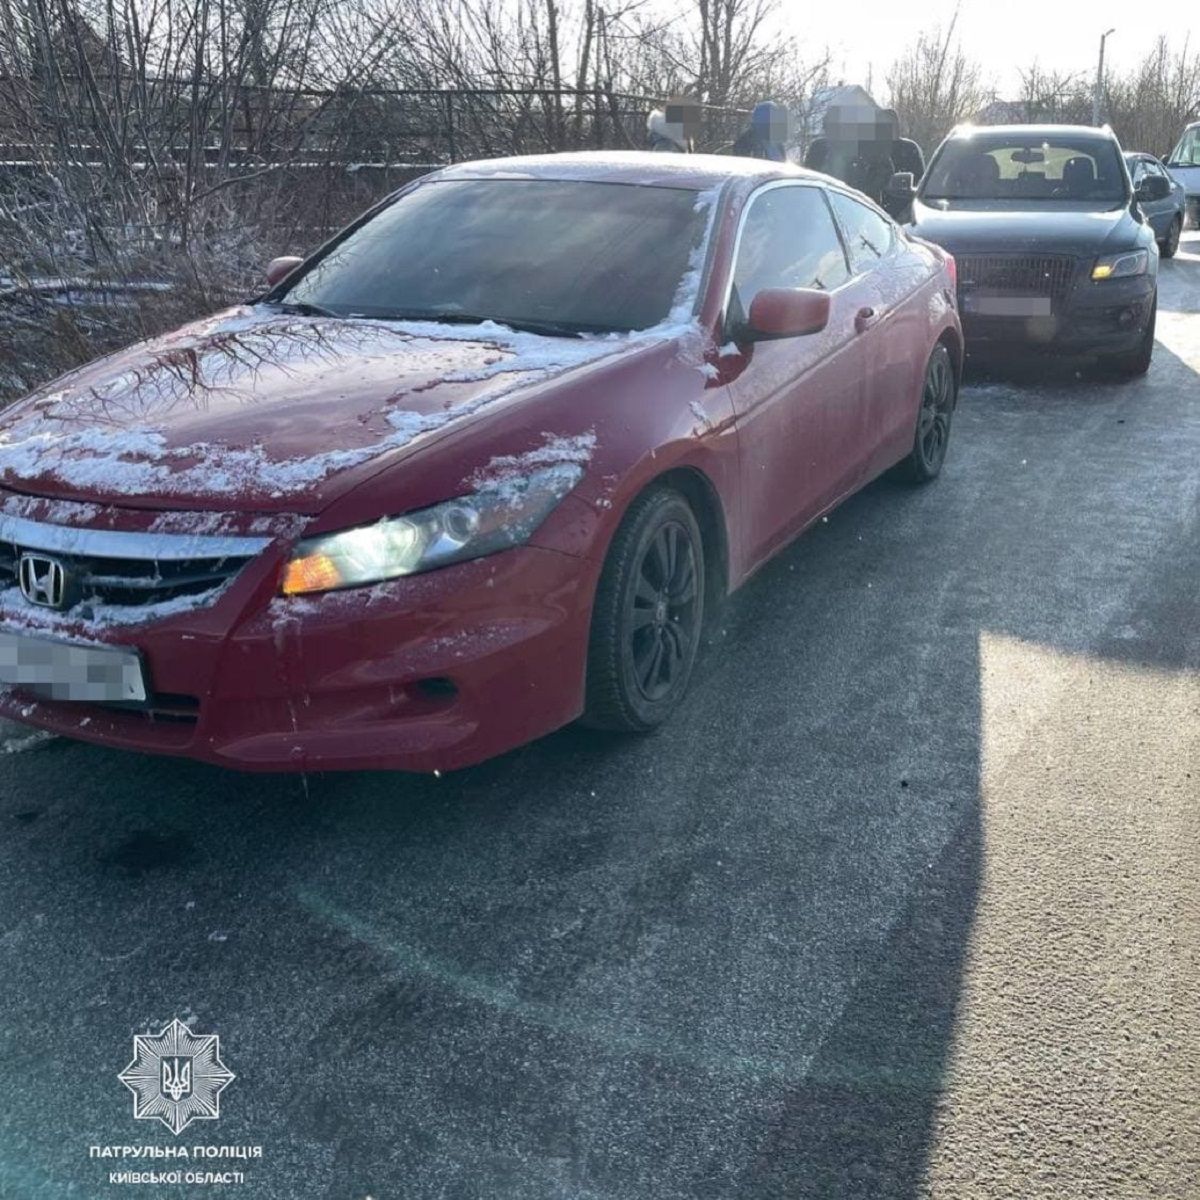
(864, 319)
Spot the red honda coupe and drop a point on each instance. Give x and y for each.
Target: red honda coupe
(476, 468)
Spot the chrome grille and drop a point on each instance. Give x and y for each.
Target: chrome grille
(1016, 274)
(130, 569)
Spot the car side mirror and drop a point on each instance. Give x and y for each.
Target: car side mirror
(278, 269)
(1152, 188)
(785, 312)
(902, 183)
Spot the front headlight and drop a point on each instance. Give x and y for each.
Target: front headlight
(495, 517)
(1119, 266)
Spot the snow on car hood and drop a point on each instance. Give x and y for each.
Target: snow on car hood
(271, 411)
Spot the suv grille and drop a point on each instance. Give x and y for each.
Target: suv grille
(127, 569)
(1016, 274)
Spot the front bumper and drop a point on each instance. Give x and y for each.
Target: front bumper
(1096, 318)
(433, 672)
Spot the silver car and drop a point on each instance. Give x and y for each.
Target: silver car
(1184, 165)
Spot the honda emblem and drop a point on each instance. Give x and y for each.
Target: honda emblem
(43, 581)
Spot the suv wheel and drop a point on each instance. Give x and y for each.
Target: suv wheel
(1135, 362)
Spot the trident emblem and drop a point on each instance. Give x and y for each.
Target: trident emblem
(176, 1077)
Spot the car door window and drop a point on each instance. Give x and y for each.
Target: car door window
(870, 236)
(788, 240)
(1140, 169)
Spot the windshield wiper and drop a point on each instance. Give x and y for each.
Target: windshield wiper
(531, 325)
(302, 308)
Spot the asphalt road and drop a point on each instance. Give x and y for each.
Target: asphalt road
(906, 902)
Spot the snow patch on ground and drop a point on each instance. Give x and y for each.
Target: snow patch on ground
(16, 738)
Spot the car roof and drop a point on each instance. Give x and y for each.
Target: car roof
(701, 171)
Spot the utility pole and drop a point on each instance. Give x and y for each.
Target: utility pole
(1099, 90)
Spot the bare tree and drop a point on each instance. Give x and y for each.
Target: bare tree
(1149, 106)
(934, 86)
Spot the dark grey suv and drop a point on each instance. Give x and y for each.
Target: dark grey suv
(1052, 247)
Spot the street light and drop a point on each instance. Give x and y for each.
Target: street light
(1099, 79)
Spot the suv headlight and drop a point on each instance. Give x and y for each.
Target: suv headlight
(494, 518)
(1119, 266)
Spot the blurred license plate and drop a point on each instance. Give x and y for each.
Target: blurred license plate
(64, 671)
(1010, 306)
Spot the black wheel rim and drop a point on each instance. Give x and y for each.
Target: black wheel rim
(662, 610)
(936, 402)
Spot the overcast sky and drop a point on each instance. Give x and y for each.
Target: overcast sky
(866, 35)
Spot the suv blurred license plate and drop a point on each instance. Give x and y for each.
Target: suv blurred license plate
(66, 671)
(1009, 306)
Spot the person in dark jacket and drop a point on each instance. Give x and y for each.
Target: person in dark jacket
(863, 147)
(768, 133)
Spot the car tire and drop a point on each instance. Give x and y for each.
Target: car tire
(1136, 362)
(939, 395)
(648, 616)
(1170, 244)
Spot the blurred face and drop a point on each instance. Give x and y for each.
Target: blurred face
(775, 125)
(852, 123)
(683, 118)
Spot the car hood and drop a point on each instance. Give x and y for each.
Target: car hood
(252, 409)
(1189, 177)
(1060, 227)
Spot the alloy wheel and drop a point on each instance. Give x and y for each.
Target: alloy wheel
(1173, 236)
(937, 403)
(662, 615)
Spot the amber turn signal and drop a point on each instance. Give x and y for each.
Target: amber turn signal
(313, 573)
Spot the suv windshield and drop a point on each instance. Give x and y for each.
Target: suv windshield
(1009, 167)
(1187, 151)
(554, 256)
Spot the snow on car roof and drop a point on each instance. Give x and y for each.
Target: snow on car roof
(1101, 134)
(628, 166)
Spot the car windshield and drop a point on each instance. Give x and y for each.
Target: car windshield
(548, 255)
(1009, 167)
(1187, 150)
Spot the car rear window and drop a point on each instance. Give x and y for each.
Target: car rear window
(1010, 167)
(585, 256)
